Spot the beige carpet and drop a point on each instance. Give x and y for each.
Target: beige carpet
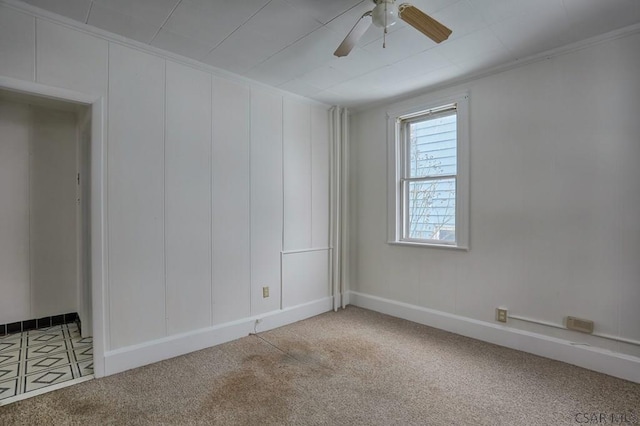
(345, 368)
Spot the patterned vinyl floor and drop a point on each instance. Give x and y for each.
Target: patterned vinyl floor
(35, 359)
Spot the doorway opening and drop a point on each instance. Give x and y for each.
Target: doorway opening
(46, 315)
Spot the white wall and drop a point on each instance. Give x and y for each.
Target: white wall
(555, 200)
(38, 244)
(53, 247)
(195, 164)
(15, 304)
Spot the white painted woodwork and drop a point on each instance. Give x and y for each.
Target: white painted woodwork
(71, 59)
(188, 198)
(266, 199)
(231, 199)
(565, 350)
(297, 175)
(85, 293)
(555, 200)
(305, 277)
(14, 212)
(17, 44)
(158, 350)
(52, 220)
(320, 177)
(135, 196)
(173, 212)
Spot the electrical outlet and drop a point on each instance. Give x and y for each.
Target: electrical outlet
(501, 315)
(265, 292)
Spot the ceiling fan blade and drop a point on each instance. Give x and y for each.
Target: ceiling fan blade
(354, 35)
(423, 23)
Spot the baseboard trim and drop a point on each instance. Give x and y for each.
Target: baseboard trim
(597, 359)
(130, 357)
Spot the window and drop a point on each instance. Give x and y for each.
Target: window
(428, 187)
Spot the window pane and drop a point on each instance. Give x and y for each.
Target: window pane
(432, 147)
(432, 210)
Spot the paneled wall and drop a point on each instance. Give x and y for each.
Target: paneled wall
(188, 198)
(208, 180)
(231, 202)
(306, 226)
(266, 199)
(135, 190)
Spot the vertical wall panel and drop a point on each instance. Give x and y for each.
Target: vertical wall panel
(53, 215)
(297, 175)
(266, 199)
(135, 163)
(231, 198)
(17, 44)
(71, 59)
(319, 177)
(305, 277)
(188, 198)
(14, 212)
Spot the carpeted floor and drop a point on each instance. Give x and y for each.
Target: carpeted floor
(346, 368)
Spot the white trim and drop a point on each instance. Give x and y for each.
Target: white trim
(306, 250)
(135, 356)
(615, 364)
(147, 48)
(562, 327)
(98, 235)
(432, 245)
(98, 205)
(395, 145)
(33, 88)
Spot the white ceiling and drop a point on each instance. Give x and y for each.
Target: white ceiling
(290, 43)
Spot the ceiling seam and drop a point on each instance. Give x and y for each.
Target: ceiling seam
(336, 17)
(294, 42)
(238, 27)
(165, 21)
(86, 21)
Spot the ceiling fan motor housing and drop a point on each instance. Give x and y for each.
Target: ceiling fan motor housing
(385, 14)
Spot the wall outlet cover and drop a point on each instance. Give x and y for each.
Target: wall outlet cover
(501, 315)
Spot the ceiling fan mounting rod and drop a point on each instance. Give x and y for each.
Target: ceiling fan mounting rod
(384, 35)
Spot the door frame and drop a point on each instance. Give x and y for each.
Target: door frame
(97, 209)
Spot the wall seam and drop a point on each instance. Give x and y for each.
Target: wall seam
(164, 198)
(29, 149)
(211, 202)
(250, 138)
(35, 49)
(282, 176)
(107, 284)
(311, 175)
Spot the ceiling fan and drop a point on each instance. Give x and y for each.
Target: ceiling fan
(384, 15)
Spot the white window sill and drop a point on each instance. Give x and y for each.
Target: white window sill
(428, 245)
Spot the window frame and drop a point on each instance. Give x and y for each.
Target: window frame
(397, 159)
